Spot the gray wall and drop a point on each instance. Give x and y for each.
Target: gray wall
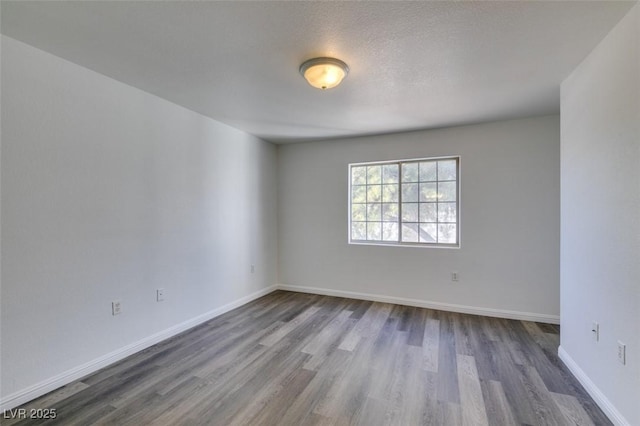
(108, 193)
(600, 279)
(510, 222)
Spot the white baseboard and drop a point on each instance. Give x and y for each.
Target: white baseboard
(603, 402)
(489, 312)
(39, 389)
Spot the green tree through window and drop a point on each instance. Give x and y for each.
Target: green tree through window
(405, 202)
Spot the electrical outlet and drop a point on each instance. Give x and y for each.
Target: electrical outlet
(116, 307)
(622, 353)
(160, 294)
(253, 269)
(595, 330)
(455, 276)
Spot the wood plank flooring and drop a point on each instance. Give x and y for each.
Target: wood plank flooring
(298, 359)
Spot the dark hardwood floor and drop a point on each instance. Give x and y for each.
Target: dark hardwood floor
(297, 359)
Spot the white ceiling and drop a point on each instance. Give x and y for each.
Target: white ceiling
(414, 65)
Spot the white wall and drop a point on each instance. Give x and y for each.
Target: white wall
(108, 193)
(600, 279)
(510, 220)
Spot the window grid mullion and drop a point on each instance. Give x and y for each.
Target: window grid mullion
(437, 205)
(366, 206)
(400, 165)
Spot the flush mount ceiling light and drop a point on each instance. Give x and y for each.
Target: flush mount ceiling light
(324, 73)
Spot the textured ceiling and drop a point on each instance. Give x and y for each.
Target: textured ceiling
(414, 65)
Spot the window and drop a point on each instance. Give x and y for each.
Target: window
(408, 202)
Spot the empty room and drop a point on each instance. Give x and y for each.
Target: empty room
(320, 213)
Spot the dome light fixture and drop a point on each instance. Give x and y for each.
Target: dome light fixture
(324, 73)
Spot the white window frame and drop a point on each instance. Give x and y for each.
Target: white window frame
(399, 242)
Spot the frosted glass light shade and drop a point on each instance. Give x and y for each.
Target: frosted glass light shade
(324, 73)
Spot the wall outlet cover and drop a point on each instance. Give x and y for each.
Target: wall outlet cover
(622, 352)
(116, 307)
